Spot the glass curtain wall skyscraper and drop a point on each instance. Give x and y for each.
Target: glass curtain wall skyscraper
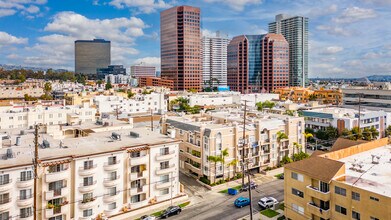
(295, 31)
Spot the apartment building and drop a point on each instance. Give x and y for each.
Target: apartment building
(210, 133)
(341, 118)
(140, 103)
(374, 98)
(33, 89)
(304, 95)
(350, 182)
(88, 172)
(156, 81)
(26, 115)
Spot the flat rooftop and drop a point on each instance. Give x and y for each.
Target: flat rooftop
(98, 141)
(362, 173)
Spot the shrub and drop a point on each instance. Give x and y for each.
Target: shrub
(205, 180)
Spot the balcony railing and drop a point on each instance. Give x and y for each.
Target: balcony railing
(316, 193)
(25, 197)
(89, 167)
(5, 182)
(5, 201)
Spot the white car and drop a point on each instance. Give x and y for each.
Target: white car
(267, 202)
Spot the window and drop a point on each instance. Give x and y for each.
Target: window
(26, 175)
(88, 181)
(164, 191)
(112, 160)
(164, 165)
(4, 179)
(135, 198)
(219, 143)
(297, 176)
(87, 196)
(355, 215)
(340, 209)
(58, 168)
(164, 179)
(324, 187)
(88, 164)
(356, 196)
(112, 206)
(297, 193)
(4, 198)
(297, 208)
(113, 175)
(340, 191)
(26, 212)
(87, 213)
(374, 198)
(164, 151)
(4, 216)
(113, 191)
(25, 194)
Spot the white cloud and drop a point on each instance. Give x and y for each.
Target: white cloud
(331, 50)
(146, 6)
(6, 12)
(13, 56)
(378, 2)
(7, 39)
(58, 48)
(354, 14)
(151, 61)
(25, 7)
(237, 5)
(335, 30)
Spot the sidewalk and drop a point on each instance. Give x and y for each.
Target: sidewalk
(258, 178)
(259, 216)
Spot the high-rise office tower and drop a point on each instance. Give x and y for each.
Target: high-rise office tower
(244, 67)
(214, 61)
(91, 55)
(142, 71)
(180, 42)
(275, 62)
(295, 31)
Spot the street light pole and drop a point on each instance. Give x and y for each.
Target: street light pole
(35, 169)
(244, 140)
(249, 193)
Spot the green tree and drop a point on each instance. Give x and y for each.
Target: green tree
(331, 132)
(99, 82)
(224, 154)
(320, 134)
(265, 104)
(300, 156)
(346, 133)
(131, 94)
(285, 160)
(233, 163)
(281, 135)
(215, 160)
(375, 133)
(47, 88)
(299, 147)
(356, 134)
(388, 130)
(108, 85)
(367, 134)
(290, 112)
(192, 90)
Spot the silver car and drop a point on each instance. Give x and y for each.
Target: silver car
(267, 202)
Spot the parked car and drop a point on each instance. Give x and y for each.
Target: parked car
(281, 176)
(242, 201)
(267, 202)
(147, 217)
(170, 211)
(253, 185)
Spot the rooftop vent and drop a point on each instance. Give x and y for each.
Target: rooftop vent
(115, 136)
(134, 134)
(17, 143)
(375, 159)
(45, 144)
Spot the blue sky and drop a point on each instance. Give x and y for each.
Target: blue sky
(348, 38)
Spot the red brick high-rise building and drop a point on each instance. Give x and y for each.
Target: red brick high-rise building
(180, 42)
(275, 62)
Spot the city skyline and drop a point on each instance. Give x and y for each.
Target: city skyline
(346, 39)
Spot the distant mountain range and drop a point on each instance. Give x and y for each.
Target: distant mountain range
(372, 78)
(18, 67)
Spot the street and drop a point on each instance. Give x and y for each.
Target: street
(220, 206)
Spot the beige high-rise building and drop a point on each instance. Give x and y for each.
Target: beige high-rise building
(180, 42)
(210, 133)
(352, 181)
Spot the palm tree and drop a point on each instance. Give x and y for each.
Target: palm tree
(224, 153)
(281, 135)
(233, 163)
(215, 160)
(298, 147)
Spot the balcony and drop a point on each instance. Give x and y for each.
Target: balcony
(27, 217)
(56, 176)
(162, 185)
(317, 211)
(138, 175)
(316, 193)
(111, 212)
(6, 185)
(57, 193)
(24, 183)
(110, 182)
(139, 204)
(138, 190)
(111, 166)
(5, 204)
(111, 198)
(87, 171)
(88, 187)
(88, 203)
(133, 161)
(56, 211)
(165, 170)
(25, 201)
(166, 156)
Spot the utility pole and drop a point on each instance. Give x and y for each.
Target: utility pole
(249, 193)
(244, 140)
(35, 170)
(151, 120)
(359, 115)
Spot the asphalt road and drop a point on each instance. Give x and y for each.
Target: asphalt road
(219, 206)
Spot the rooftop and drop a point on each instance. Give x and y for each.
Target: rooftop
(99, 140)
(369, 170)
